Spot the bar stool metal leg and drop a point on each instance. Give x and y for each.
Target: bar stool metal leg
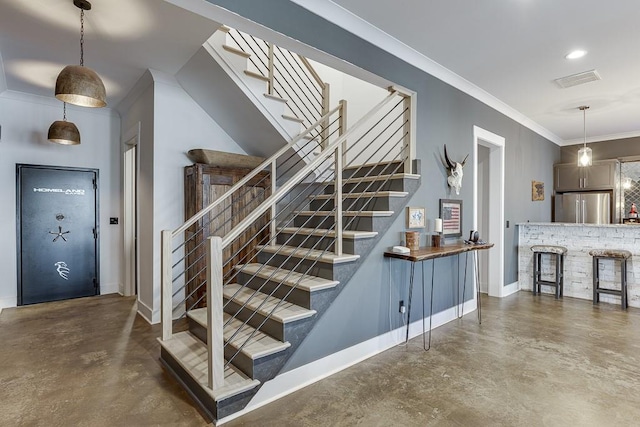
(535, 272)
(557, 276)
(561, 275)
(623, 289)
(596, 280)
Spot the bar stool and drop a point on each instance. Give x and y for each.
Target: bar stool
(559, 252)
(615, 255)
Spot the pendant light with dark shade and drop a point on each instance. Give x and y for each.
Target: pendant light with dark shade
(77, 84)
(585, 156)
(64, 132)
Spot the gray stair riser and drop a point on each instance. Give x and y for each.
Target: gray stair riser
(212, 410)
(297, 296)
(359, 223)
(395, 184)
(316, 242)
(363, 203)
(261, 369)
(374, 170)
(306, 266)
(271, 327)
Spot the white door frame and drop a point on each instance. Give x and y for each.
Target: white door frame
(129, 208)
(495, 143)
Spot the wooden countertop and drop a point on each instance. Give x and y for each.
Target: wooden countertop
(430, 252)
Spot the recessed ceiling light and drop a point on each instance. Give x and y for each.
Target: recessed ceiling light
(575, 54)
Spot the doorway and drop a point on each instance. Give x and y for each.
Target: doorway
(130, 216)
(484, 192)
(488, 205)
(57, 233)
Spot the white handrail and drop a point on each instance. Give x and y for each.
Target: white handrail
(252, 174)
(299, 176)
(312, 71)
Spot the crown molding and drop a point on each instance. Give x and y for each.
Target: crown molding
(363, 29)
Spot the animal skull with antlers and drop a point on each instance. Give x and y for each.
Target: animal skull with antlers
(454, 170)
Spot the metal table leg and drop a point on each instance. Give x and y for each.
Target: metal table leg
(413, 269)
(433, 267)
(464, 284)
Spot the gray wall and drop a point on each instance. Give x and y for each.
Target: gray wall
(614, 149)
(368, 307)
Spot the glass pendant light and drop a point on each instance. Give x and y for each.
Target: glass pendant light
(64, 132)
(585, 157)
(77, 84)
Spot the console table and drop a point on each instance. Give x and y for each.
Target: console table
(431, 253)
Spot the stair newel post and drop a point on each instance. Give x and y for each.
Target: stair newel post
(409, 143)
(215, 340)
(166, 304)
(325, 125)
(342, 128)
(272, 227)
(271, 68)
(338, 201)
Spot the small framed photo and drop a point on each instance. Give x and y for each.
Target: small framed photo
(451, 214)
(415, 217)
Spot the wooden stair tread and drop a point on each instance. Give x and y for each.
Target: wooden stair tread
(261, 344)
(370, 165)
(347, 234)
(346, 213)
(312, 254)
(285, 313)
(236, 51)
(365, 195)
(191, 354)
(256, 75)
(275, 98)
(292, 118)
(376, 178)
(290, 278)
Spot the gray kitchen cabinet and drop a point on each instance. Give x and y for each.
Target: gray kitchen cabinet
(599, 176)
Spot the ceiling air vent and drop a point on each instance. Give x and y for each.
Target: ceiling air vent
(578, 79)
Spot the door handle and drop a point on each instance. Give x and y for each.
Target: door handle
(584, 211)
(577, 210)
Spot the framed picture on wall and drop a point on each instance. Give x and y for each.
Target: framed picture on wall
(537, 191)
(451, 214)
(415, 217)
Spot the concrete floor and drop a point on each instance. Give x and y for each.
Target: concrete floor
(533, 361)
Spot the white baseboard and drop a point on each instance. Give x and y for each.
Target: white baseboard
(510, 289)
(8, 302)
(145, 311)
(310, 373)
(109, 288)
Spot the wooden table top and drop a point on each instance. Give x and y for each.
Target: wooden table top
(430, 252)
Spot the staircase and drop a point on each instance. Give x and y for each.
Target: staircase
(262, 95)
(271, 269)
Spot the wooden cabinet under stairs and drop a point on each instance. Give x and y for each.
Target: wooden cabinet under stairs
(202, 185)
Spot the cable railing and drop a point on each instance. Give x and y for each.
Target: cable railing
(289, 76)
(213, 248)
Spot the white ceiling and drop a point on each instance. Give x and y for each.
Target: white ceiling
(123, 38)
(510, 49)
(514, 49)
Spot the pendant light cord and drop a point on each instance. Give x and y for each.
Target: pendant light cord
(584, 122)
(81, 37)
(64, 109)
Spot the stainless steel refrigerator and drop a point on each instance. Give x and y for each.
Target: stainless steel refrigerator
(583, 208)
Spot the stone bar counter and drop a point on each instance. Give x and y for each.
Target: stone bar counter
(579, 239)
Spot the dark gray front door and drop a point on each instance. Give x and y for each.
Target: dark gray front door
(57, 233)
